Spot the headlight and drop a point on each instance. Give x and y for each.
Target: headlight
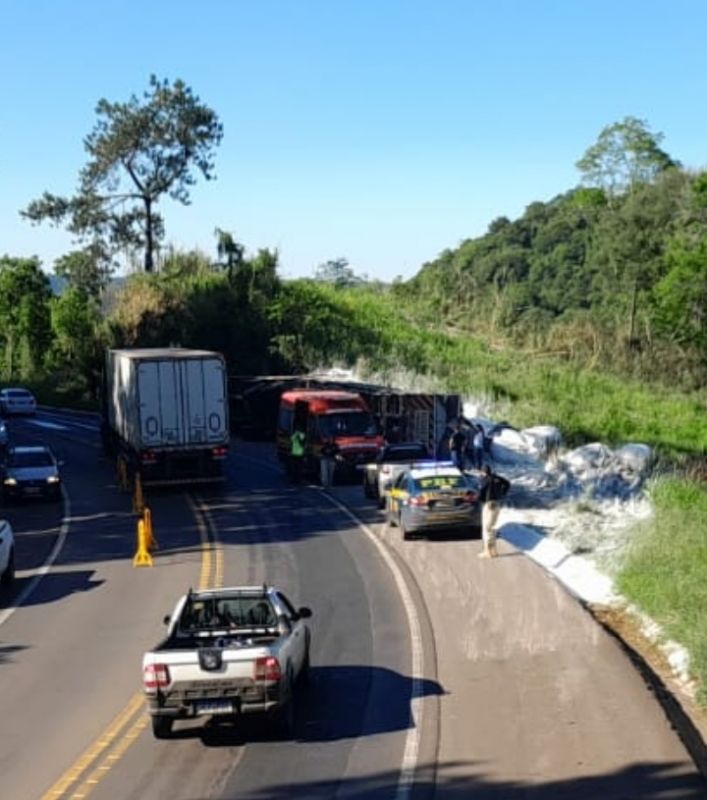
(53, 479)
(10, 482)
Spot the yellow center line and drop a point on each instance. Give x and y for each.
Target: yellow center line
(211, 554)
(112, 758)
(94, 750)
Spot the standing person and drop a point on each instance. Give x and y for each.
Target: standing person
(457, 446)
(477, 447)
(297, 442)
(327, 461)
(493, 490)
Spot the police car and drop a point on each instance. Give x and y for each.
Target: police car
(431, 496)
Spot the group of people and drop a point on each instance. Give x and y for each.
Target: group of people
(467, 446)
(493, 487)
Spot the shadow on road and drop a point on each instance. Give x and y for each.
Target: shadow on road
(7, 652)
(54, 586)
(339, 702)
(649, 781)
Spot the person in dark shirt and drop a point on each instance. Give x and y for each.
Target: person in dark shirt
(327, 461)
(457, 447)
(493, 489)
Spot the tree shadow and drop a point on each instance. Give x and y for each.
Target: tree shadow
(640, 781)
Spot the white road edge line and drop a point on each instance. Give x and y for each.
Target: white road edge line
(408, 768)
(44, 569)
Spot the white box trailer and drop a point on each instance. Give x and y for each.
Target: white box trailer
(165, 412)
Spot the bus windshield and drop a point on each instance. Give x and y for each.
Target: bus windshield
(347, 423)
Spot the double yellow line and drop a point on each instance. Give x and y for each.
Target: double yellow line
(110, 746)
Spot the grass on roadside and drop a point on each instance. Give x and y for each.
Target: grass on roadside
(665, 569)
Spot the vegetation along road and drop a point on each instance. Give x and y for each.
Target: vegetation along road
(434, 673)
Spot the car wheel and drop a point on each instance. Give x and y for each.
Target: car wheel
(8, 576)
(161, 727)
(285, 716)
(406, 533)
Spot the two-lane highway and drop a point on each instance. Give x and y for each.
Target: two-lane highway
(435, 674)
(71, 689)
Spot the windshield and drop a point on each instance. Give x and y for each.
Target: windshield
(39, 459)
(227, 612)
(347, 423)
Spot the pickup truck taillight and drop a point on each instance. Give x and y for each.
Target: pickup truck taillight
(418, 500)
(148, 456)
(219, 452)
(267, 668)
(155, 676)
(470, 497)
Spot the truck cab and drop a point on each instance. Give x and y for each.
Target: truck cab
(323, 414)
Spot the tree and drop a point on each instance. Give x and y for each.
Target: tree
(88, 270)
(138, 152)
(337, 272)
(230, 252)
(625, 154)
(25, 330)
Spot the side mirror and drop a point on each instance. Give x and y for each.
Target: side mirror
(166, 619)
(304, 612)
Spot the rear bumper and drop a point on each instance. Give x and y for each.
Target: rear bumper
(425, 520)
(178, 705)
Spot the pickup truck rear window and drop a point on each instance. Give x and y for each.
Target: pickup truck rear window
(226, 612)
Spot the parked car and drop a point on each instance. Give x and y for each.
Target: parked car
(30, 471)
(17, 401)
(390, 461)
(435, 497)
(7, 553)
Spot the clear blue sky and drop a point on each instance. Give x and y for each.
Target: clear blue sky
(379, 131)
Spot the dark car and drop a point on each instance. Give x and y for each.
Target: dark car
(427, 498)
(30, 471)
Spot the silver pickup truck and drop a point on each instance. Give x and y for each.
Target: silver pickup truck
(228, 652)
(390, 462)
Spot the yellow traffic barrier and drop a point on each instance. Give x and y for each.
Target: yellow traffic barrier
(138, 495)
(152, 543)
(142, 557)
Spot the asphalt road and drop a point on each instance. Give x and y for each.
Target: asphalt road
(516, 694)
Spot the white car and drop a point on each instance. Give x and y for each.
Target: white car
(7, 553)
(17, 401)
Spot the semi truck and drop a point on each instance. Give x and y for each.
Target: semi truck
(165, 414)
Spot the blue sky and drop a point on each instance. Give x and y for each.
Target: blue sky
(380, 132)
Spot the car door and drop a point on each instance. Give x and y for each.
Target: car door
(396, 496)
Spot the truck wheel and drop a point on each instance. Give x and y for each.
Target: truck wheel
(381, 501)
(406, 533)
(285, 715)
(161, 727)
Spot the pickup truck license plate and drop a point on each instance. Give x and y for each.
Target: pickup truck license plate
(31, 490)
(214, 707)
